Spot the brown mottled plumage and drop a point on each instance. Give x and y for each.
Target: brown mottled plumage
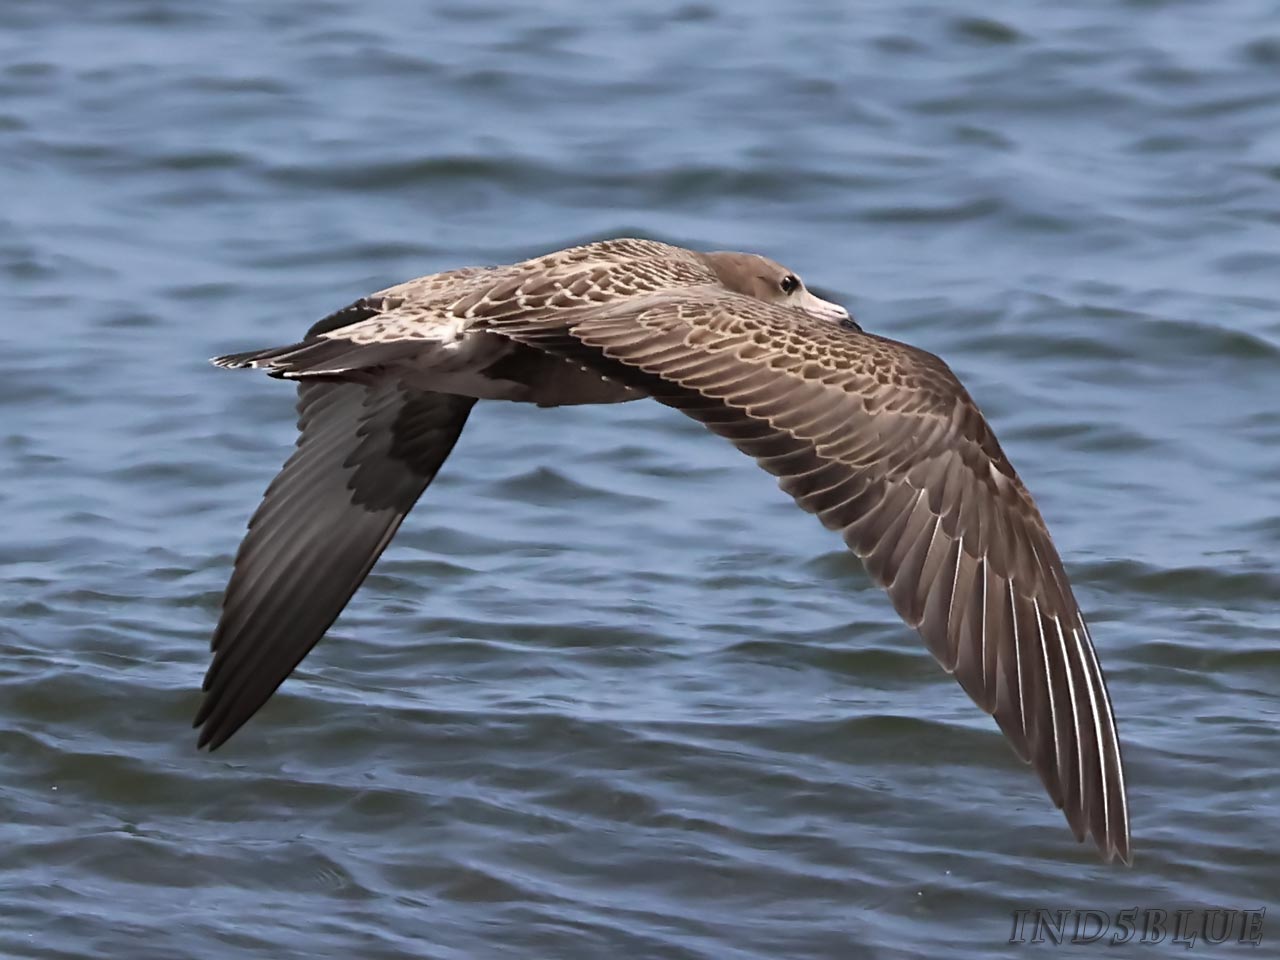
(876, 438)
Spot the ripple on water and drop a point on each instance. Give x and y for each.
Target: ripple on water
(609, 692)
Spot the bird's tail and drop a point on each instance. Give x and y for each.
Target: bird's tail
(319, 357)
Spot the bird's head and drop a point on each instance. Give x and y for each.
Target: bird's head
(765, 279)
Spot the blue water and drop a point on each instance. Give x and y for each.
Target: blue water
(610, 693)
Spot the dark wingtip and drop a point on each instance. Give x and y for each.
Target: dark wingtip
(1121, 850)
(211, 735)
(1112, 849)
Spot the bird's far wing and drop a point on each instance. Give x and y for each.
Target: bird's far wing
(366, 452)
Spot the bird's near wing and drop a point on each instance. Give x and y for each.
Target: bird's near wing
(882, 443)
(366, 451)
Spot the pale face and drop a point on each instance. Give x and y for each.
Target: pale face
(767, 280)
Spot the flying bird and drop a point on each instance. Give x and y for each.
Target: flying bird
(877, 438)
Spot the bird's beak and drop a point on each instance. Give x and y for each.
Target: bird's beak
(823, 309)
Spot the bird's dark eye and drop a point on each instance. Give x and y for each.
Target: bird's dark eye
(789, 283)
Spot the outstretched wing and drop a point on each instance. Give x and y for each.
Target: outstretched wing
(366, 452)
(882, 443)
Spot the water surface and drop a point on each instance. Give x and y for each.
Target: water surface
(610, 693)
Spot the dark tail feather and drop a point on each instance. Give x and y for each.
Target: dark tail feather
(319, 357)
(253, 358)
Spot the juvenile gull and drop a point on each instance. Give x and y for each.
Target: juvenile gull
(875, 437)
